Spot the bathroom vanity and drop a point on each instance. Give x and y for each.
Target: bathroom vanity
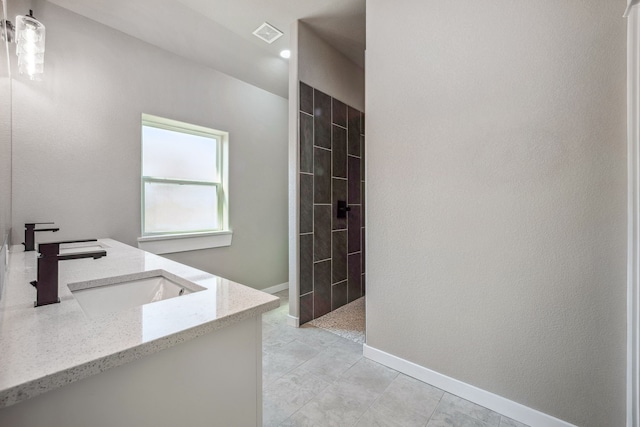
(108, 356)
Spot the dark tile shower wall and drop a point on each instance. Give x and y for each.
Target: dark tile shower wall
(332, 144)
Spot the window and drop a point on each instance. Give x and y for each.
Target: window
(184, 183)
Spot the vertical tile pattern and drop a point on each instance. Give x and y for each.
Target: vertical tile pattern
(362, 149)
(354, 230)
(321, 176)
(322, 119)
(339, 113)
(339, 193)
(306, 263)
(321, 232)
(306, 98)
(306, 143)
(362, 202)
(306, 308)
(331, 141)
(355, 277)
(339, 256)
(321, 288)
(354, 180)
(339, 152)
(354, 131)
(339, 295)
(363, 237)
(306, 203)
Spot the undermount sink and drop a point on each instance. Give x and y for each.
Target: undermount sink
(113, 294)
(72, 248)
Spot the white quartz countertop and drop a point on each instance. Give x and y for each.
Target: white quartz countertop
(47, 347)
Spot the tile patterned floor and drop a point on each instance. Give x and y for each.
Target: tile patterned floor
(312, 377)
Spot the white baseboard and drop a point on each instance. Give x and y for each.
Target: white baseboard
(474, 394)
(293, 321)
(276, 288)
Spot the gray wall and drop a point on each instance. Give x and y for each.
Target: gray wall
(77, 143)
(5, 149)
(496, 215)
(324, 68)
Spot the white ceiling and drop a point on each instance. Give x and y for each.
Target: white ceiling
(218, 33)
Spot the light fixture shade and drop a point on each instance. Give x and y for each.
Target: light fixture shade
(30, 37)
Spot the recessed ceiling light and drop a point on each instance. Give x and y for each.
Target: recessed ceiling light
(267, 33)
(286, 54)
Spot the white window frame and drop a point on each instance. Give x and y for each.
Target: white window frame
(178, 241)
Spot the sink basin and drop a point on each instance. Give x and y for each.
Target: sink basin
(113, 294)
(72, 248)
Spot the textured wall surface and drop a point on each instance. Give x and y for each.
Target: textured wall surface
(496, 197)
(77, 144)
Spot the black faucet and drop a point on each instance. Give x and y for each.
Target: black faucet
(47, 283)
(29, 234)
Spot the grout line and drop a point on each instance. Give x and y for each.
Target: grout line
(339, 177)
(306, 173)
(322, 204)
(322, 148)
(331, 213)
(351, 155)
(322, 260)
(313, 211)
(434, 409)
(353, 253)
(331, 216)
(382, 394)
(308, 114)
(339, 229)
(347, 200)
(307, 234)
(339, 126)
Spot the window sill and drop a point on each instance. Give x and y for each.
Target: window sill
(172, 243)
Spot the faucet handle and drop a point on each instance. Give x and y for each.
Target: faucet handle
(70, 241)
(29, 234)
(33, 224)
(53, 248)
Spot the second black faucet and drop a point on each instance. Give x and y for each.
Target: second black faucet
(30, 234)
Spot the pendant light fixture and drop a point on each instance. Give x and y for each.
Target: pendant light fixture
(30, 37)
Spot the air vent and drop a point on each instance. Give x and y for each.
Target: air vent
(268, 33)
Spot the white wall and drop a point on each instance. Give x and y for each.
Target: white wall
(497, 197)
(77, 144)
